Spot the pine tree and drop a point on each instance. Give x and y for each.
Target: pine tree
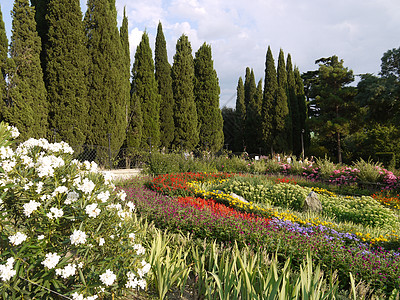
(253, 114)
(206, 91)
(185, 115)
(164, 81)
(294, 107)
(302, 106)
(282, 135)
(240, 117)
(106, 82)
(144, 87)
(66, 62)
(27, 104)
(3, 64)
(269, 100)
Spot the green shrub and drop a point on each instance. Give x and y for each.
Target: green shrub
(326, 167)
(369, 171)
(64, 228)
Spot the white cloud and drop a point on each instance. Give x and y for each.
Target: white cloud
(135, 36)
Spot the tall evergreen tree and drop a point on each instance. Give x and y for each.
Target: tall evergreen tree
(249, 86)
(240, 117)
(269, 100)
(3, 64)
(144, 87)
(282, 134)
(253, 115)
(124, 36)
(229, 116)
(42, 26)
(185, 114)
(164, 81)
(66, 70)
(302, 106)
(206, 91)
(106, 82)
(135, 124)
(294, 107)
(27, 104)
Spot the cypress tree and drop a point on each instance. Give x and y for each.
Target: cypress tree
(42, 26)
(28, 108)
(144, 87)
(135, 124)
(252, 122)
(206, 91)
(185, 114)
(106, 79)
(164, 81)
(302, 106)
(3, 64)
(240, 116)
(282, 135)
(294, 107)
(66, 62)
(269, 100)
(124, 36)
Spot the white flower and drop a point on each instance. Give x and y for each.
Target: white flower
(123, 214)
(14, 131)
(68, 270)
(6, 152)
(103, 196)
(71, 197)
(92, 210)
(101, 241)
(131, 206)
(60, 190)
(28, 161)
(132, 236)
(46, 164)
(80, 265)
(143, 271)
(78, 237)
(40, 237)
(108, 177)
(55, 213)
(86, 186)
(17, 238)
(122, 195)
(28, 185)
(30, 207)
(139, 249)
(7, 271)
(90, 166)
(108, 277)
(8, 165)
(76, 296)
(51, 260)
(134, 282)
(39, 187)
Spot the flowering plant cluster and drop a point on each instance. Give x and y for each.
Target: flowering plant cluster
(64, 228)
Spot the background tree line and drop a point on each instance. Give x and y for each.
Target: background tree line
(69, 76)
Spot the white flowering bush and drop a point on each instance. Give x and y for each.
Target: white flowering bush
(64, 229)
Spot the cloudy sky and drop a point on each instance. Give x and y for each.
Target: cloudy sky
(239, 31)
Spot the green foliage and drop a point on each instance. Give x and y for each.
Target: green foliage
(269, 100)
(185, 114)
(206, 91)
(240, 117)
(164, 80)
(27, 106)
(144, 88)
(294, 107)
(283, 128)
(68, 211)
(360, 210)
(229, 127)
(368, 171)
(326, 167)
(135, 123)
(106, 81)
(66, 62)
(3, 63)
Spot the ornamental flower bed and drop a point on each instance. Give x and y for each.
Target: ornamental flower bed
(64, 229)
(342, 251)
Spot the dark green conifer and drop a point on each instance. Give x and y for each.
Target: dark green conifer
(106, 79)
(66, 62)
(124, 36)
(294, 107)
(282, 134)
(269, 100)
(164, 81)
(3, 64)
(206, 91)
(185, 114)
(27, 104)
(144, 87)
(135, 125)
(253, 115)
(240, 117)
(302, 106)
